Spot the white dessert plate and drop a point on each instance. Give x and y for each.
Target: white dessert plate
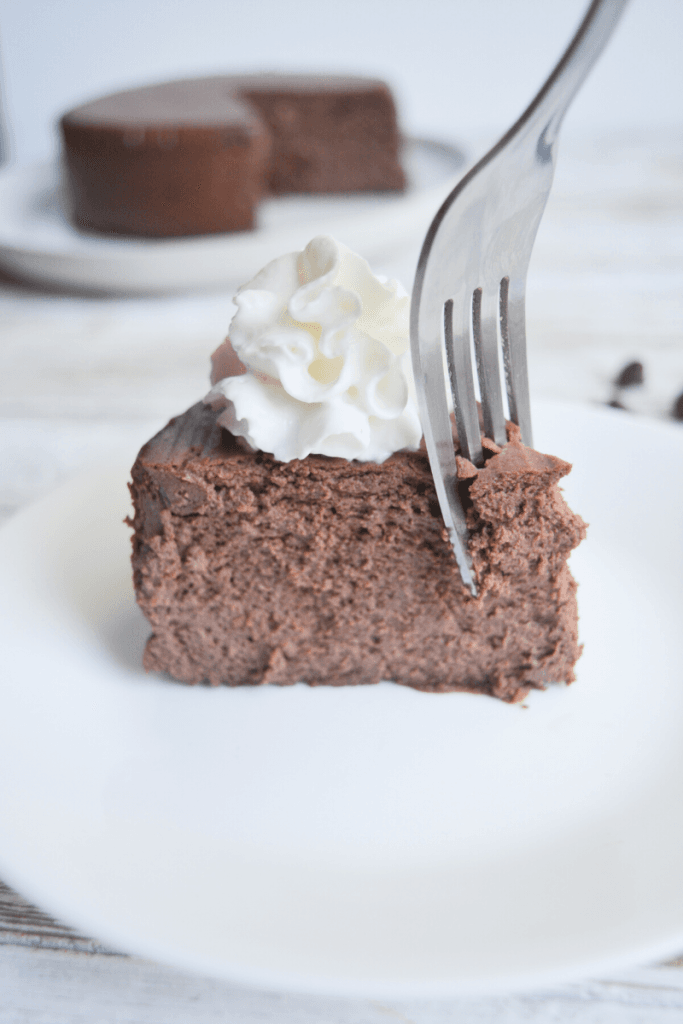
(371, 841)
(38, 242)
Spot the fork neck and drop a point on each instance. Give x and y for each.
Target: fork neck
(545, 113)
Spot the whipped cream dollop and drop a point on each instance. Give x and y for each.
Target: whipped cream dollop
(325, 345)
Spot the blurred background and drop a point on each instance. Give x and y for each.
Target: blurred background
(605, 280)
(460, 70)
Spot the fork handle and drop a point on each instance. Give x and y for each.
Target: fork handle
(547, 109)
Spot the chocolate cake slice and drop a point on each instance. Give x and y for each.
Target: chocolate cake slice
(330, 571)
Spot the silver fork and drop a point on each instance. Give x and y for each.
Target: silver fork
(471, 279)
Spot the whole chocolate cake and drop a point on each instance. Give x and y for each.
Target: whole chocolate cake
(195, 157)
(328, 561)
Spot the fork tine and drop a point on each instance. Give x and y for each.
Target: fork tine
(485, 312)
(431, 391)
(457, 338)
(513, 335)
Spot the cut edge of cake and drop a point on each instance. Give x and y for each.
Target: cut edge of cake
(327, 571)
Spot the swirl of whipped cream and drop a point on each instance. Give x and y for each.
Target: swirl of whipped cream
(326, 349)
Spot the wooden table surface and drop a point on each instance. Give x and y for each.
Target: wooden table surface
(86, 376)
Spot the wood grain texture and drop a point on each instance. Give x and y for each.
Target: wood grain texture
(54, 987)
(22, 924)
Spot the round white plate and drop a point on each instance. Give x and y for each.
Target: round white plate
(38, 242)
(371, 840)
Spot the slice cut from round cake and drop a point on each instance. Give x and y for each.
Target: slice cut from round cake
(287, 528)
(329, 571)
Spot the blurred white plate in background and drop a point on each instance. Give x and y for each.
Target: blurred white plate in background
(37, 241)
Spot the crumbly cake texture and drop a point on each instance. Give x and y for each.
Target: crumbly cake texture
(196, 156)
(326, 571)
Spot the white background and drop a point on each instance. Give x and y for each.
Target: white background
(460, 68)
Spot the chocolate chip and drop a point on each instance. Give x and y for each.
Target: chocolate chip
(677, 409)
(631, 375)
(616, 404)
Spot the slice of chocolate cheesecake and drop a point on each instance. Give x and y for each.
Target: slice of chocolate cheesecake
(332, 571)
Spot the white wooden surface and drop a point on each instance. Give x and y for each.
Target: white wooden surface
(85, 376)
(44, 987)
